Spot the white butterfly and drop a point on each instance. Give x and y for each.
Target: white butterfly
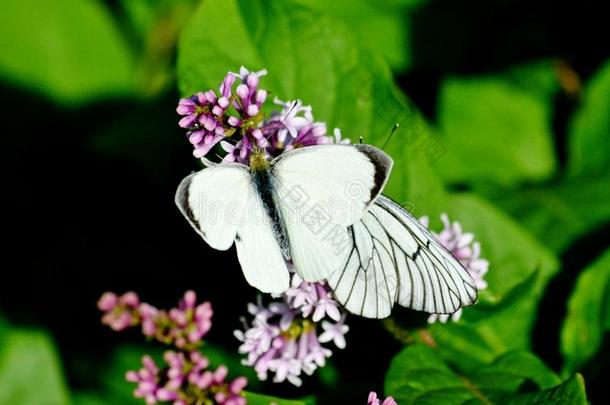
(299, 209)
(295, 208)
(394, 258)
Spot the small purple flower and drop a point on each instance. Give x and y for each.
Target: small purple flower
(287, 366)
(338, 139)
(293, 127)
(374, 400)
(465, 249)
(119, 312)
(239, 152)
(147, 379)
(335, 332)
(250, 97)
(283, 336)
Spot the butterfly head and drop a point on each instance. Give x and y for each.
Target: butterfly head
(258, 160)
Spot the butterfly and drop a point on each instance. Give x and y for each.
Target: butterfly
(393, 258)
(319, 210)
(292, 211)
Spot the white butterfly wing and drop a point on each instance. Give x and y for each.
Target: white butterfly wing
(213, 200)
(258, 250)
(220, 202)
(393, 258)
(319, 191)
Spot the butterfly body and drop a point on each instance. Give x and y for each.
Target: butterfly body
(282, 210)
(263, 183)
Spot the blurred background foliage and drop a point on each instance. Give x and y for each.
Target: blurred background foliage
(503, 107)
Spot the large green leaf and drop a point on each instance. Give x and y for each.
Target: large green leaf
(379, 25)
(558, 214)
(30, 372)
(316, 58)
(512, 252)
(588, 309)
(70, 50)
(419, 375)
(589, 130)
(571, 392)
(498, 128)
(518, 272)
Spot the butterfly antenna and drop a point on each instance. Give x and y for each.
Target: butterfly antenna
(294, 105)
(360, 139)
(394, 128)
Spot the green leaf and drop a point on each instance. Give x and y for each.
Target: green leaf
(512, 252)
(519, 270)
(379, 25)
(30, 372)
(419, 375)
(282, 37)
(558, 214)
(588, 309)
(258, 399)
(70, 50)
(589, 151)
(509, 371)
(348, 87)
(571, 392)
(498, 128)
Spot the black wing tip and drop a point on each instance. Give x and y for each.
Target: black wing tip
(383, 166)
(181, 199)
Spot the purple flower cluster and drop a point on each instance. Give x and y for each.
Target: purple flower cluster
(185, 379)
(464, 248)
(236, 121)
(183, 327)
(284, 338)
(374, 400)
(120, 312)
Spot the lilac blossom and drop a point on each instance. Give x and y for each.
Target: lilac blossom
(185, 378)
(183, 327)
(250, 97)
(235, 120)
(335, 332)
(297, 128)
(284, 338)
(465, 249)
(374, 400)
(120, 312)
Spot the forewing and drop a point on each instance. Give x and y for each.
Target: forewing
(213, 201)
(319, 191)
